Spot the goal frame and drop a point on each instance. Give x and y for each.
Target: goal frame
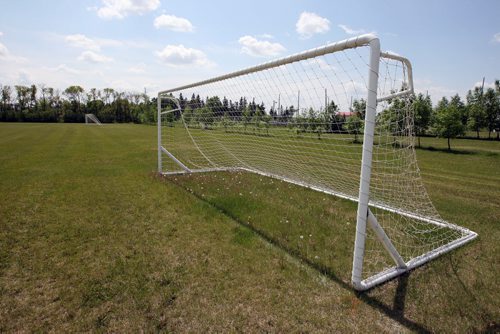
(92, 118)
(364, 216)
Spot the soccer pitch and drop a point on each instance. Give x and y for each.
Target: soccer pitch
(91, 239)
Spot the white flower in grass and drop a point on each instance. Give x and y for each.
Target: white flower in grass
(302, 237)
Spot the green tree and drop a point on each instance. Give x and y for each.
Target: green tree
(354, 125)
(422, 111)
(6, 97)
(247, 117)
(447, 121)
(359, 107)
(315, 122)
(476, 115)
(332, 121)
(456, 102)
(22, 96)
(393, 119)
(497, 121)
(491, 108)
(75, 96)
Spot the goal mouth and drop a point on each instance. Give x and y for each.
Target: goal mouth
(336, 119)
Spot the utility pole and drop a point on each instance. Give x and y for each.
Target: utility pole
(326, 101)
(279, 103)
(298, 103)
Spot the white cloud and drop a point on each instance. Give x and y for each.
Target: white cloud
(486, 85)
(436, 91)
(310, 24)
(93, 57)
(179, 55)
(95, 44)
(322, 63)
(4, 52)
(137, 69)
(5, 55)
(266, 36)
(173, 23)
(1, 34)
(64, 69)
(496, 37)
(351, 31)
(24, 78)
(82, 41)
(252, 46)
(118, 9)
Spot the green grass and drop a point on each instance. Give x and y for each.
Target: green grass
(92, 240)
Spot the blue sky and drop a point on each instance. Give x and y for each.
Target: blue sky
(160, 44)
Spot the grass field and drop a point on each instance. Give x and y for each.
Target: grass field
(92, 240)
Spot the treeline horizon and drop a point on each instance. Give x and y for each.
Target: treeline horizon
(450, 117)
(39, 103)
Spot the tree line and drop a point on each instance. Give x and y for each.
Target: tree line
(46, 104)
(450, 118)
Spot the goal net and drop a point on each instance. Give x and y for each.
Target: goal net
(92, 119)
(336, 119)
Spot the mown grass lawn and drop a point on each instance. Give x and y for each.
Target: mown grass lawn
(92, 240)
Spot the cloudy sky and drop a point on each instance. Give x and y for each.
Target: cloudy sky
(158, 44)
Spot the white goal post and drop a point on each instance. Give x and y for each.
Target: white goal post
(298, 119)
(92, 119)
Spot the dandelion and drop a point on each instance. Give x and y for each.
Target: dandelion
(302, 237)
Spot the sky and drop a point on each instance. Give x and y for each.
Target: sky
(153, 45)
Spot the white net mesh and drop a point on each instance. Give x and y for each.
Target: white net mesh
(303, 122)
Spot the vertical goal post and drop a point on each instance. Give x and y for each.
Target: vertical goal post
(316, 146)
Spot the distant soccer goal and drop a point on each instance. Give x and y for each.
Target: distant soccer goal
(92, 119)
(336, 119)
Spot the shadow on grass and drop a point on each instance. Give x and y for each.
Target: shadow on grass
(395, 312)
(445, 150)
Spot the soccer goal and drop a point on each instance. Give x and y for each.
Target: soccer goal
(337, 119)
(92, 119)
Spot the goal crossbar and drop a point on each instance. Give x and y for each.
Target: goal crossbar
(364, 215)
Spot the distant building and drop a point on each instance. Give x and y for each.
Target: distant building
(346, 113)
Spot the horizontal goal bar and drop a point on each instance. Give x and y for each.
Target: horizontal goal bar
(362, 40)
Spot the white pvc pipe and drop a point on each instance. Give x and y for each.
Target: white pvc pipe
(384, 239)
(366, 163)
(407, 63)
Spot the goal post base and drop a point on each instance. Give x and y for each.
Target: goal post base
(391, 273)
